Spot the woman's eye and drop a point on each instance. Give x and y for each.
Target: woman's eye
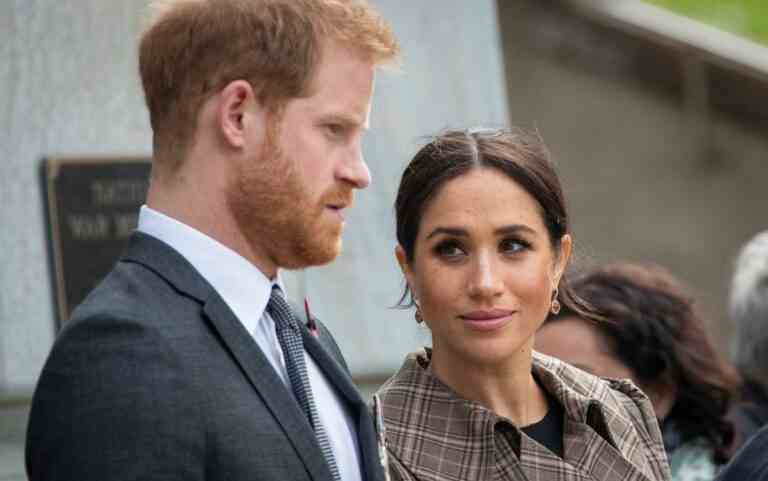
(449, 249)
(513, 246)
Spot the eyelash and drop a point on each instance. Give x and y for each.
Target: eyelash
(443, 249)
(335, 130)
(524, 245)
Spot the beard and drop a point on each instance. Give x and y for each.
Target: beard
(276, 215)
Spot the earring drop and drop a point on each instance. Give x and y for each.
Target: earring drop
(555, 308)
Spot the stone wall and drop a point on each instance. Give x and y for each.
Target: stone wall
(649, 177)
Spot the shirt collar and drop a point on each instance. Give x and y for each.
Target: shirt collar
(244, 288)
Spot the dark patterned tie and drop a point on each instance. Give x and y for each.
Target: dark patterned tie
(293, 350)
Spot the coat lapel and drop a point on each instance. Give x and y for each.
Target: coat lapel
(172, 266)
(591, 453)
(340, 379)
(598, 438)
(336, 375)
(266, 382)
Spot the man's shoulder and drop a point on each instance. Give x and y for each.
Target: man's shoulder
(129, 291)
(131, 309)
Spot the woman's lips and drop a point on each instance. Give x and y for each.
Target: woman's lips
(487, 320)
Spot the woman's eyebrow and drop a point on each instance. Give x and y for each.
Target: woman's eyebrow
(461, 232)
(454, 231)
(514, 229)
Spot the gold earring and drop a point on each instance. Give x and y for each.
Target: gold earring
(417, 314)
(555, 308)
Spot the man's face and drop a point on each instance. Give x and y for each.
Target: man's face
(289, 202)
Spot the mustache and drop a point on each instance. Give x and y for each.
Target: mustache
(344, 196)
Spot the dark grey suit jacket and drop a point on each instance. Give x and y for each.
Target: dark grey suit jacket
(154, 378)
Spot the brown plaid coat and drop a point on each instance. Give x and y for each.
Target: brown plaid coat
(610, 432)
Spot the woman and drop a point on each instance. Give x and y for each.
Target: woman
(483, 241)
(655, 337)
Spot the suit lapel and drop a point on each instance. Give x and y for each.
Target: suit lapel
(340, 379)
(334, 372)
(172, 266)
(271, 389)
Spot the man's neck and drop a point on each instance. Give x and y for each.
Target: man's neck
(212, 218)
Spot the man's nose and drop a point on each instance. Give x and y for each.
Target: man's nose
(354, 170)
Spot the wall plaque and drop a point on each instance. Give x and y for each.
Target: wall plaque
(93, 207)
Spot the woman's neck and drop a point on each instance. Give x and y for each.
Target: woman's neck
(507, 388)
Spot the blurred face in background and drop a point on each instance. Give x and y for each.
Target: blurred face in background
(483, 269)
(577, 342)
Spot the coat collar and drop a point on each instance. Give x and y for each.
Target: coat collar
(166, 262)
(426, 420)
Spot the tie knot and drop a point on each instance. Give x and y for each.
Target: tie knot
(280, 311)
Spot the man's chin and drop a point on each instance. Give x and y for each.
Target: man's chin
(326, 253)
(313, 255)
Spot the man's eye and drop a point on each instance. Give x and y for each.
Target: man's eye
(335, 129)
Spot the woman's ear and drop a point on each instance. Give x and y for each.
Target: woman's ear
(563, 256)
(402, 261)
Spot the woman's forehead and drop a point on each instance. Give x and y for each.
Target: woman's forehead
(483, 197)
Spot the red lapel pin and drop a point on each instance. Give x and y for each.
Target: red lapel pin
(310, 321)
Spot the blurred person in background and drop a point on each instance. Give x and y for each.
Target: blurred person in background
(648, 330)
(749, 350)
(751, 461)
(483, 241)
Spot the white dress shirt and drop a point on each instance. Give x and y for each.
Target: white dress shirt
(246, 290)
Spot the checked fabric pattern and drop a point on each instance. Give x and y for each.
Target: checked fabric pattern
(610, 431)
(293, 350)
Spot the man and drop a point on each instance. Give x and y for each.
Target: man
(186, 363)
(749, 312)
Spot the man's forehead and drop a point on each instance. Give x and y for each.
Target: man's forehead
(343, 100)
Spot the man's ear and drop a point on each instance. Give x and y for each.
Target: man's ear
(239, 111)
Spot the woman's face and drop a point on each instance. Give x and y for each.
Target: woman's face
(483, 270)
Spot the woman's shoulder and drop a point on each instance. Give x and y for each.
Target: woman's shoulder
(409, 379)
(585, 389)
(614, 404)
